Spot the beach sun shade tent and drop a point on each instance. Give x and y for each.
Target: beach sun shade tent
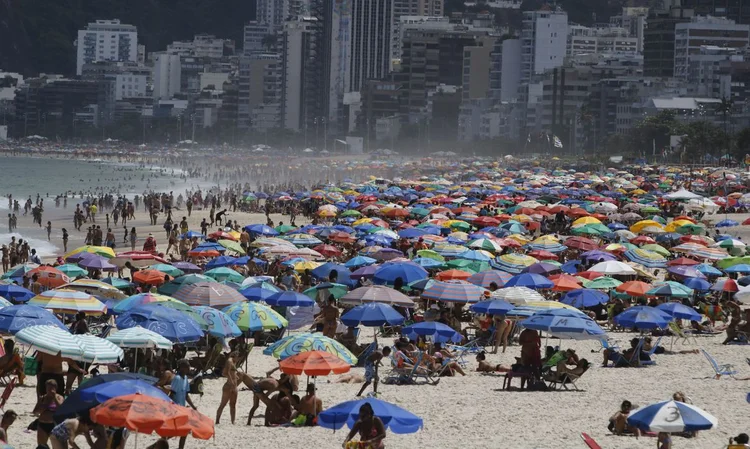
(140, 299)
(680, 311)
(584, 297)
(671, 416)
(530, 280)
(55, 341)
(208, 294)
(406, 271)
(394, 418)
(289, 299)
(15, 292)
(613, 268)
(103, 392)
(298, 343)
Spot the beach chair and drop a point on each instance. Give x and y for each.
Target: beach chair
(606, 344)
(564, 382)
(679, 334)
(634, 359)
(362, 356)
(410, 373)
(651, 354)
(6, 393)
(719, 370)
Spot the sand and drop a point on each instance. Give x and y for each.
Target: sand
(473, 411)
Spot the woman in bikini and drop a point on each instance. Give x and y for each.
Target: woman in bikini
(484, 367)
(502, 332)
(45, 409)
(229, 390)
(370, 428)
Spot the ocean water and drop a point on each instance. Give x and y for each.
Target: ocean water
(42, 246)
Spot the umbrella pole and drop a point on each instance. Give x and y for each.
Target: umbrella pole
(135, 370)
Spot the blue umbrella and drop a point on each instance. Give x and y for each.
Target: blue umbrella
(169, 323)
(571, 266)
(219, 323)
(191, 234)
(697, 284)
(679, 310)
(372, 314)
(742, 268)
(75, 405)
(671, 416)
(412, 233)
(643, 317)
(261, 229)
(207, 246)
(408, 272)
(492, 307)
(105, 391)
(530, 280)
(708, 269)
(258, 292)
(394, 418)
(474, 255)
(221, 261)
(584, 297)
(289, 299)
(15, 292)
(437, 332)
(428, 263)
(563, 323)
(365, 272)
(15, 318)
(726, 224)
(359, 261)
(323, 271)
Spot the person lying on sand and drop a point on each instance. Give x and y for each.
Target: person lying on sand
(484, 367)
(648, 345)
(618, 423)
(351, 378)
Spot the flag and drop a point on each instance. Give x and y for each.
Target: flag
(558, 142)
(528, 138)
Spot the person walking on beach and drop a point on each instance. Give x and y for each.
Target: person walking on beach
(133, 238)
(371, 369)
(229, 390)
(65, 239)
(49, 231)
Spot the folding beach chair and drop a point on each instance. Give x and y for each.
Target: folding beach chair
(680, 334)
(634, 359)
(720, 370)
(651, 354)
(565, 382)
(408, 374)
(606, 344)
(362, 357)
(7, 392)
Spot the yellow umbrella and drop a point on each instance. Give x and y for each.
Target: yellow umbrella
(98, 250)
(672, 227)
(522, 218)
(306, 265)
(326, 213)
(362, 221)
(586, 220)
(645, 223)
(459, 235)
(519, 238)
(546, 240)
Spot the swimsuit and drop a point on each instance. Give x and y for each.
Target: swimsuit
(61, 433)
(370, 373)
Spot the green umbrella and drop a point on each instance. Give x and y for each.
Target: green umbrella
(231, 245)
(691, 229)
(658, 249)
(225, 274)
(167, 269)
(72, 270)
(283, 229)
(594, 229)
(473, 266)
(430, 254)
(732, 261)
(658, 219)
(602, 283)
(337, 290)
(650, 210)
(349, 213)
(420, 212)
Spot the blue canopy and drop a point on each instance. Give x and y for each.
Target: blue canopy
(289, 299)
(394, 418)
(15, 318)
(170, 323)
(221, 261)
(671, 416)
(372, 314)
(584, 297)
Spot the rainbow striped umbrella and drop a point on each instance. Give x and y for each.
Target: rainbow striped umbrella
(68, 301)
(98, 250)
(513, 263)
(709, 253)
(139, 300)
(253, 316)
(646, 258)
(208, 294)
(298, 343)
(454, 291)
(219, 323)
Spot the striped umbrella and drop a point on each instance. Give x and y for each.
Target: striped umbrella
(68, 301)
(298, 343)
(487, 278)
(671, 416)
(19, 271)
(513, 263)
(253, 316)
(302, 239)
(171, 287)
(602, 283)
(4, 302)
(139, 300)
(219, 323)
(709, 253)
(532, 307)
(51, 340)
(377, 293)
(139, 337)
(99, 350)
(208, 294)
(94, 262)
(670, 288)
(646, 258)
(98, 250)
(517, 295)
(454, 291)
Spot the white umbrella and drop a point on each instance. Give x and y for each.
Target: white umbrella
(517, 295)
(51, 340)
(613, 267)
(99, 350)
(139, 337)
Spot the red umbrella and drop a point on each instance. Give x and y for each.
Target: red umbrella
(634, 288)
(486, 221)
(543, 255)
(725, 285)
(151, 277)
(578, 212)
(453, 274)
(314, 363)
(49, 277)
(684, 217)
(642, 240)
(328, 250)
(589, 275)
(682, 261)
(397, 213)
(694, 239)
(564, 282)
(341, 237)
(581, 243)
(222, 235)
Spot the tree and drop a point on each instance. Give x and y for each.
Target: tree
(742, 143)
(701, 138)
(654, 131)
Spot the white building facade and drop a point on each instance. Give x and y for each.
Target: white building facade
(167, 76)
(689, 37)
(544, 38)
(106, 40)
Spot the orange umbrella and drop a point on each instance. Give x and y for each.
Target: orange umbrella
(543, 255)
(197, 425)
(565, 282)
(222, 235)
(634, 288)
(204, 253)
(139, 413)
(151, 277)
(314, 363)
(341, 237)
(453, 274)
(49, 277)
(589, 275)
(397, 213)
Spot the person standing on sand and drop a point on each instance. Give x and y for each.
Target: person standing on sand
(371, 369)
(49, 231)
(133, 238)
(229, 391)
(65, 239)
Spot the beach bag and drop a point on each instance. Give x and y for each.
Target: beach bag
(30, 366)
(196, 386)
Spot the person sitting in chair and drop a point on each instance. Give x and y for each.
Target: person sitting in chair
(11, 363)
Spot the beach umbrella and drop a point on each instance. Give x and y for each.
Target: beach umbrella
(256, 230)
(192, 234)
(530, 308)
(699, 284)
(15, 292)
(584, 297)
(94, 262)
(189, 279)
(314, 363)
(260, 291)
(364, 272)
(429, 264)
(98, 350)
(529, 280)
(670, 288)
(725, 285)
(359, 261)
(4, 302)
(708, 270)
(74, 404)
(49, 277)
(139, 300)
(634, 288)
(581, 243)
(543, 268)
(487, 278)
(172, 324)
(680, 311)
(430, 254)
(297, 343)
(221, 261)
(51, 340)
(225, 274)
(452, 275)
(72, 270)
(492, 307)
(643, 317)
(187, 267)
(513, 263)
(324, 272)
(517, 295)
(741, 268)
(454, 291)
(690, 229)
(433, 331)
(646, 258)
(253, 316)
(102, 392)
(564, 282)
(97, 288)
(563, 323)
(671, 416)
(377, 294)
(167, 269)
(219, 323)
(394, 418)
(613, 268)
(19, 271)
(103, 251)
(17, 317)
(686, 271)
(726, 223)
(372, 314)
(289, 299)
(408, 272)
(68, 302)
(326, 289)
(151, 277)
(602, 283)
(139, 337)
(208, 294)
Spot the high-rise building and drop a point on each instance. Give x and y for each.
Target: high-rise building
(167, 76)
(272, 13)
(106, 40)
(254, 36)
(303, 94)
(706, 31)
(582, 40)
(418, 8)
(477, 68)
(506, 71)
(250, 84)
(543, 41)
(737, 10)
(658, 40)
(372, 28)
